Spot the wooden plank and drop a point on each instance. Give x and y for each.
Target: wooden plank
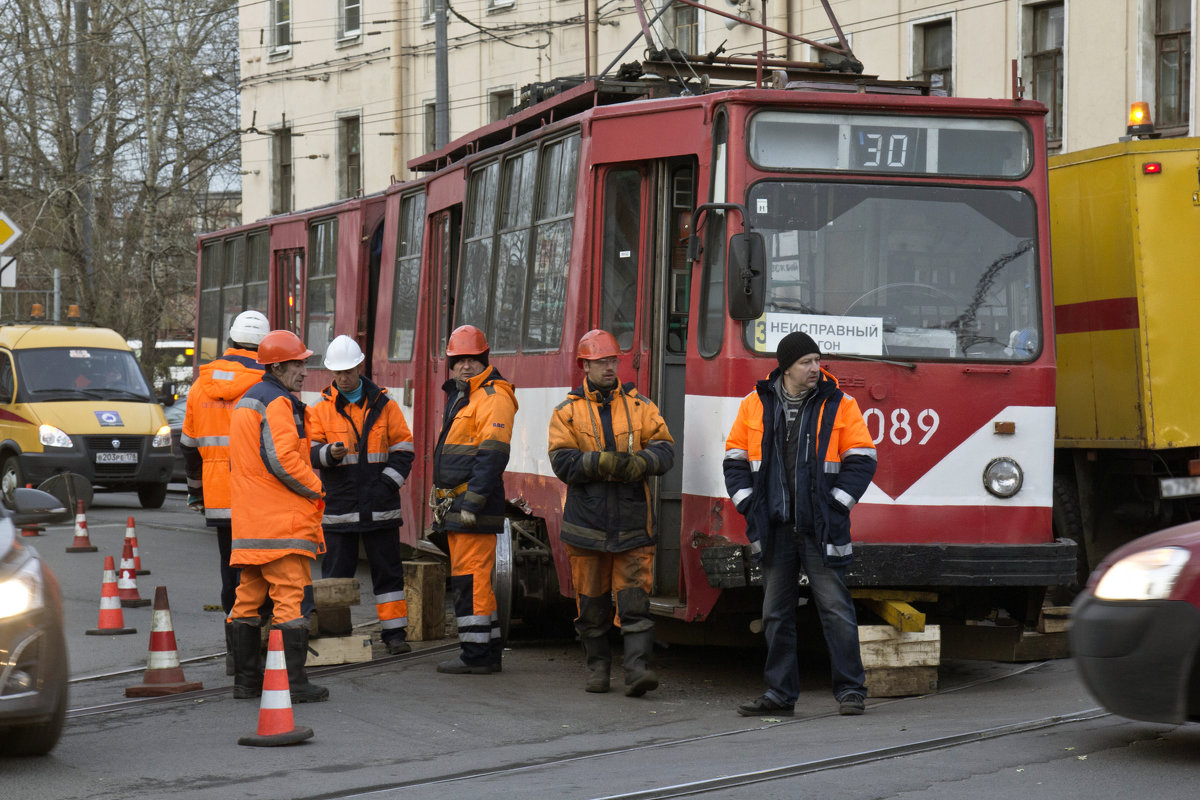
(336, 592)
(1054, 619)
(425, 591)
(339, 650)
(894, 594)
(901, 682)
(1001, 643)
(897, 613)
(330, 621)
(882, 646)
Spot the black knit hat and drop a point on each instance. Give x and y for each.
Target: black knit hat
(793, 347)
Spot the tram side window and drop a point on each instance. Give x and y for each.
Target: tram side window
(512, 256)
(233, 283)
(233, 277)
(208, 320)
(546, 297)
(619, 255)
(406, 278)
(322, 281)
(258, 260)
(475, 284)
(712, 290)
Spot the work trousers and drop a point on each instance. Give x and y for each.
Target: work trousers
(598, 576)
(285, 580)
(229, 575)
(472, 559)
(382, 548)
(791, 552)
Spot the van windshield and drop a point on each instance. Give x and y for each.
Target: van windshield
(79, 373)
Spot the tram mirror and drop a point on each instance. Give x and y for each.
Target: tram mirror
(747, 257)
(693, 249)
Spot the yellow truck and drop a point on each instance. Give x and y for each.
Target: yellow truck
(1125, 232)
(74, 400)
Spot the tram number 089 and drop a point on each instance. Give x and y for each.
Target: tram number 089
(899, 426)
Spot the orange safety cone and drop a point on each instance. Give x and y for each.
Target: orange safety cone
(163, 673)
(82, 543)
(275, 724)
(131, 534)
(31, 530)
(112, 620)
(127, 584)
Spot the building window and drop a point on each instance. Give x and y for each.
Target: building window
(1045, 64)
(500, 4)
(428, 10)
(281, 24)
(933, 46)
(281, 200)
(1173, 63)
(350, 155)
(685, 29)
(349, 18)
(430, 127)
(500, 104)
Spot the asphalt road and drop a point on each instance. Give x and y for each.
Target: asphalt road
(397, 729)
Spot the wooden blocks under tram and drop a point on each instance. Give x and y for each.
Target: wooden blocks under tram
(900, 663)
(331, 632)
(425, 590)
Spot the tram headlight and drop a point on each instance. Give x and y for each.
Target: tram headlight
(1148, 575)
(1003, 477)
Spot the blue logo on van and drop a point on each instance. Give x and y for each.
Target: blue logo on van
(109, 419)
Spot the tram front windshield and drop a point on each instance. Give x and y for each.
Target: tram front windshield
(912, 271)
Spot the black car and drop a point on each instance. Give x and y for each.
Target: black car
(175, 413)
(33, 650)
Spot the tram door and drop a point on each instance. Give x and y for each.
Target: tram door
(644, 287)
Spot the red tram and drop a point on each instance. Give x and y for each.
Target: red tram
(906, 233)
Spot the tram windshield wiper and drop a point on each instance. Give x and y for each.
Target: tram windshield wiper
(876, 359)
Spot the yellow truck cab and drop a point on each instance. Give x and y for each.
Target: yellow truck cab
(73, 399)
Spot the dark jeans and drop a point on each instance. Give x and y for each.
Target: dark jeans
(789, 552)
(382, 548)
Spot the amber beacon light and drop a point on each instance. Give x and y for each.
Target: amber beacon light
(1139, 120)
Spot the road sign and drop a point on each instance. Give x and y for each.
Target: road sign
(8, 231)
(8, 272)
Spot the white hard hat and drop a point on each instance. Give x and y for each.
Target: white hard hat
(249, 328)
(343, 353)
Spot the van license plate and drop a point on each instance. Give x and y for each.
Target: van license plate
(116, 458)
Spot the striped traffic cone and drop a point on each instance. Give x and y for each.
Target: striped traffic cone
(127, 584)
(131, 534)
(163, 673)
(275, 724)
(82, 543)
(112, 620)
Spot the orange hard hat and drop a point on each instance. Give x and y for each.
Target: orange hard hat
(279, 346)
(466, 340)
(597, 344)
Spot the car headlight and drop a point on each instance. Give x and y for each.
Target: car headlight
(162, 438)
(1003, 477)
(51, 436)
(1148, 575)
(22, 592)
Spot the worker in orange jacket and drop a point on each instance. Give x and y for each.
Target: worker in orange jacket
(363, 448)
(468, 495)
(605, 441)
(277, 509)
(205, 437)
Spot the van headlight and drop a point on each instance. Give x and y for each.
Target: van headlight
(22, 592)
(162, 438)
(1148, 575)
(51, 436)
(1003, 477)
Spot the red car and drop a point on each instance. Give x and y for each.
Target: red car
(1135, 629)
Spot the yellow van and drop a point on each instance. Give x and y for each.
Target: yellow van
(73, 399)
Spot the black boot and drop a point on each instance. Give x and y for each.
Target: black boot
(599, 662)
(295, 653)
(247, 659)
(639, 678)
(229, 648)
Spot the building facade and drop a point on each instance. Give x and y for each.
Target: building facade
(337, 96)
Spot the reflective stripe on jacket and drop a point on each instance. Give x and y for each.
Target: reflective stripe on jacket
(362, 490)
(842, 462)
(205, 437)
(473, 449)
(276, 494)
(602, 514)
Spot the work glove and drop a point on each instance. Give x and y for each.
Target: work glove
(633, 468)
(467, 517)
(195, 503)
(608, 463)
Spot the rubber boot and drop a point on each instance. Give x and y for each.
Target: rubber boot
(295, 653)
(599, 663)
(639, 678)
(229, 648)
(247, 660)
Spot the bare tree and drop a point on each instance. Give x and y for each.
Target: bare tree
(139, 106)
